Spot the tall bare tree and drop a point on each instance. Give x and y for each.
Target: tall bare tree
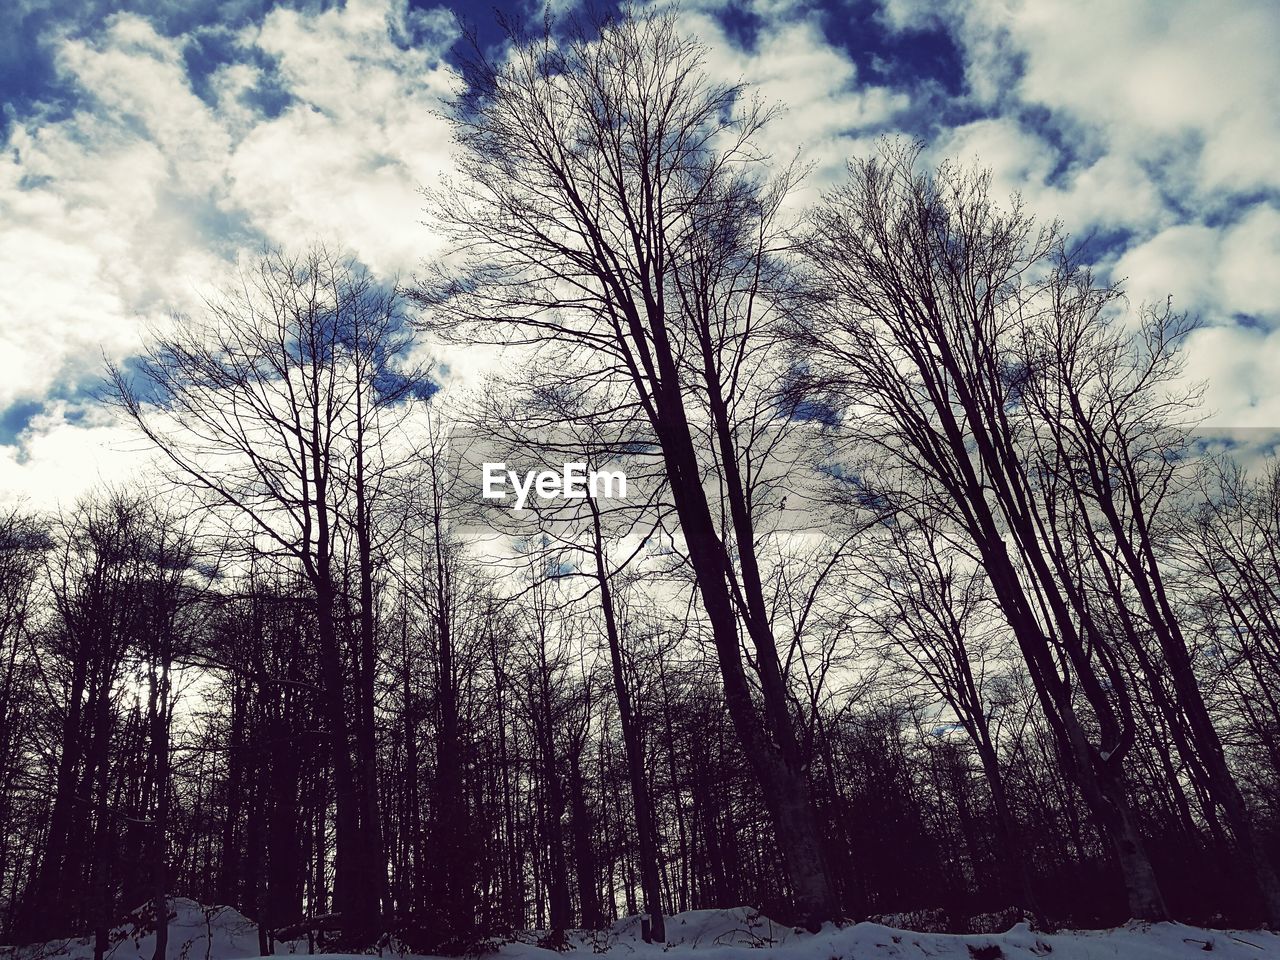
(928, 284)
(615, 212)
(281, 405)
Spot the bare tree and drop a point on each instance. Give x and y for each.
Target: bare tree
(1113, 424)
(23, 540)
(932, 604)
(928, 283)
(615, 213)
(282, 406)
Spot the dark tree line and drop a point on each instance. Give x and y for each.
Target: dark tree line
(924, 603)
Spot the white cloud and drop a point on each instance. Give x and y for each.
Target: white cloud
(1219, 272)
(1249, 270)
(1019, 160)
(1136, 77)
(1163, 69)
(138, 77)
(67, 254)
(348, 156)
(828, 114)
(1173, 263)
(140, 199)
(57, 459)
(1237, 367)
(1154, 117)
(142, 196)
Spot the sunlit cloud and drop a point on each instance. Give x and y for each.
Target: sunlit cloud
(147, 151)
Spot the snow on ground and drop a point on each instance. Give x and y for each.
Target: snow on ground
(220, 933)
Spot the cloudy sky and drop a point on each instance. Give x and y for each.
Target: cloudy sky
(148, 144)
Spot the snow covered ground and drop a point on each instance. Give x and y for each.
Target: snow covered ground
(220, 933)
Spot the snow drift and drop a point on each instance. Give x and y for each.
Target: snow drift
(198, 932)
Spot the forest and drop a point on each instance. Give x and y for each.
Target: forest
(929, 598)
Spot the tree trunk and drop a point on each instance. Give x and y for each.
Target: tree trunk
(774, 759)
(642, 809)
